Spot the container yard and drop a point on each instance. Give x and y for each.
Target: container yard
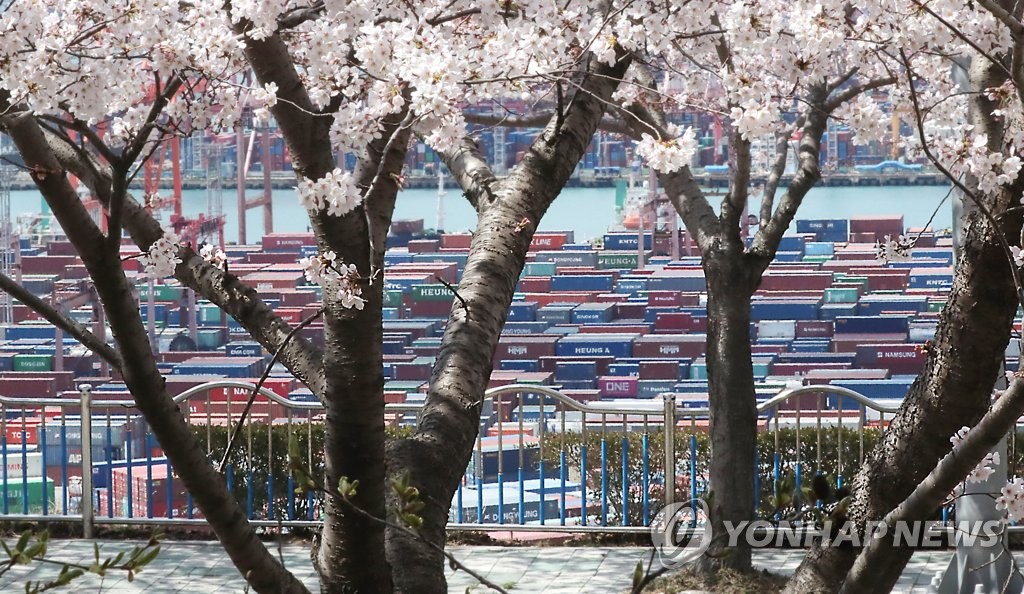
(618, 330)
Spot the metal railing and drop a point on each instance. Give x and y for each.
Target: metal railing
(542, 461)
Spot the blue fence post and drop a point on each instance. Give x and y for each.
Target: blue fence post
(543, 495)
(625, 481)
(693, 479)
(604, 481)
(130, 472)
(501, 499)
(291, 497)
(561, 478)
(522, 497)
(583, 487)
(41, 436)
(645, 478)
(458, 504)
(479, 500)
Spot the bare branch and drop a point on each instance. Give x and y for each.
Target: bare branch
(297, 16)
(60, 320)
(1012, 23)
(775, 176)
(263, 379)
(735, 200)
(933, 490)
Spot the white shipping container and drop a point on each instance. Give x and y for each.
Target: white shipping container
(32, 463)
(777, 329)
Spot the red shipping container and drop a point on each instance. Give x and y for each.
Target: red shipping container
(278, 385)
(618, 387)
(819, 377)
(271, 280)
(630, 311)
(423, 246)
(815, 328)
(268, 258)
(801, 369)
(525, 347)
(459, 241)
(768, 349)
(549, 241)
(581, 396)
(293, 297)
(534, 284)
(616, 329)
(664, 299)
(673, 322)
(795, 281)
(47, 264)
(664, 346)
(892, 225)
(848, 343)
(542, 299)
(29, 387)
(287, 242)
(906, 359)
(431, 309)
(667, 370)
(14, 432)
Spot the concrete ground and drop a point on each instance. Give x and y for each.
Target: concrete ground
(202, 567)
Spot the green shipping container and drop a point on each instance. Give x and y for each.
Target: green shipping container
(431, 293)
(15, 490)
(392, 298)
(539, 269)
(162, 292)
(816, 259)
(209, 314)
(208, 340)
(698, 371)
(617, 260)
(33, 363)
(841, 295)
(934, 306)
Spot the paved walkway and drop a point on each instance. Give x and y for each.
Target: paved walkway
(202, 568)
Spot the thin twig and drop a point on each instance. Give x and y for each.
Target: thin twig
(455, 292)
(452, 560)
(266, 373)
(55, 317)
(1014, 273)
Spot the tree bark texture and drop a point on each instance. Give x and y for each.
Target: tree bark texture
(733, 410)
(955, 387)
(209, 490)
(437, 454)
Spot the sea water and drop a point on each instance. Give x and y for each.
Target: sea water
(588, 212)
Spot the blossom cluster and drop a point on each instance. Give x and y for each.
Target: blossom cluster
(985, 468)
(336, 192)
(669, 155)
(161, 258)
(893, 249)
(214, 255)
(1011, 499)
(327, 271)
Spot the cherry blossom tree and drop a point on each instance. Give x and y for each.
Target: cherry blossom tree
(89, 87)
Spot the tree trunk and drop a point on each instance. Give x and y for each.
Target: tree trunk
(732, 403)
(953, 390)
(955, 387)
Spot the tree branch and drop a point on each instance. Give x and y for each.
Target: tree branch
(735, 200)
(934, 489)
(775, 176)
(469, 167)
(767, 239)
(1012, 23)
(227, 291)
(683, 190)
(60, 320)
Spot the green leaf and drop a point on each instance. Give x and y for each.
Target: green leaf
(145, 559)
(638, 574)
(23, 541)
